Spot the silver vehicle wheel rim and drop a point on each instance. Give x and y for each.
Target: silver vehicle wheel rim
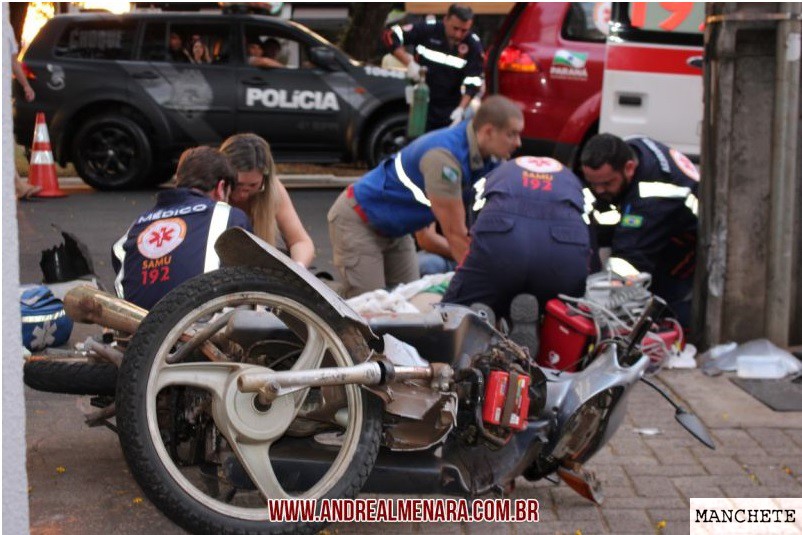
(237, 417)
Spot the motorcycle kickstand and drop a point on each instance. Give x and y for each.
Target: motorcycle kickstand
(101, 416)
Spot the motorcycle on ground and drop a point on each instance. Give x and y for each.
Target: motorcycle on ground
(257, 382)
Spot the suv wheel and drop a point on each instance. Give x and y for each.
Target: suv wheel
(387, 137)
(112, 152)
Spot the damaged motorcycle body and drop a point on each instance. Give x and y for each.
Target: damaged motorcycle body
(257, 382)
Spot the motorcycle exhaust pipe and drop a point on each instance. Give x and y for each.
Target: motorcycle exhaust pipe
(271, 385)
(86, 304)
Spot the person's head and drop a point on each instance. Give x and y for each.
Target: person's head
(272, 48)
(255, 50)
(198, 49)
(176, 43)
(207, 170)
(457, 22)
(608, 164)
(251, 157)
(257, 189)
(498, 125)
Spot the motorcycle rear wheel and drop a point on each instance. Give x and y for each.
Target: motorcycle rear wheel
(249, 430)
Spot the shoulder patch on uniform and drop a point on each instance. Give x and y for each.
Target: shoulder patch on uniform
(632, 221)
(685, 164)
(450, 173)
(540, 164)
(161, 238)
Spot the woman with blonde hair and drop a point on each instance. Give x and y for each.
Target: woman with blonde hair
(264, 198)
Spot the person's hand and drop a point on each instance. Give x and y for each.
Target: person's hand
(457, 115)
(413, 71)
(29, 93)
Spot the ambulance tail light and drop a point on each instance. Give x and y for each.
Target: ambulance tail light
(29, 74)
(513, 59)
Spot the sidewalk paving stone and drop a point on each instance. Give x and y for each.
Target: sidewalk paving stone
(628, 520)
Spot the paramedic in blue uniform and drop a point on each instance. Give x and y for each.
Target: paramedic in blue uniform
(452, 55)
(174, 241)
(432, 179)
(529, 237)
(654, 188)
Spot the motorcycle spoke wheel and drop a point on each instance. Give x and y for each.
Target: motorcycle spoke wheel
(255, 440)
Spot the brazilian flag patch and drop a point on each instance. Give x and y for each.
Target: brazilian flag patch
(450, 174)
(632, 221)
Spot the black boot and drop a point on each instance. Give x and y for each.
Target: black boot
(524, 313)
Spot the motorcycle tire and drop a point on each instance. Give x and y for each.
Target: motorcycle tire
(70, 377)
(143, 372)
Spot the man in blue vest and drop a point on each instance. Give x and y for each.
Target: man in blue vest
(654, 188)
(371, 222)
(529, 237)
(452, 55)
(174, 241)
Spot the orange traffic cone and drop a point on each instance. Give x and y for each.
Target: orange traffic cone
(42, 170)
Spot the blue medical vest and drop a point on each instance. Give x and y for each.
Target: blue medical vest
(171, 243)
(393, 194)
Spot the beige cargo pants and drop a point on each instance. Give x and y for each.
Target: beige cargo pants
(366, 260)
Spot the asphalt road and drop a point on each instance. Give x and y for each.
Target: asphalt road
(98, 219)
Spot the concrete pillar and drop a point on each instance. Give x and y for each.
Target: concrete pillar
(748, 260)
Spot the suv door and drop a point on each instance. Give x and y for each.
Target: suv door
(195, 96)
(291, 106)
(653, 78)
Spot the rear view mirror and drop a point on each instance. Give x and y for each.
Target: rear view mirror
(323, 57)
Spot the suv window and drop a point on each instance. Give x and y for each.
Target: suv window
(267, 42)
(679, 17)
(154, 42)
(581, 22)
(199, 43)
(104, 40)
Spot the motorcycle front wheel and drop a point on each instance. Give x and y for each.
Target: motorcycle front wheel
(211, 457)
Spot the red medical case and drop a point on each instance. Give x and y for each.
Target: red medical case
(564, 337)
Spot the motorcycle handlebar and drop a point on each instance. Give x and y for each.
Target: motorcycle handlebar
(654, 310)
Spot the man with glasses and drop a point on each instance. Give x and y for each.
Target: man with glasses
(174, 241)
(452, 55)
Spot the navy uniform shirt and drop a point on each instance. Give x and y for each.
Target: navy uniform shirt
(657, 231)
(449, 67)
(171, 243)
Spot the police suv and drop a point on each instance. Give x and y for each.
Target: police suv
(125, 94)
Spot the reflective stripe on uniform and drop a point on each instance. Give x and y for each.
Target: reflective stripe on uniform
(119, 253)
(663, 189)
(440, 57)
(473, 80)
(398, 33)
(693, 204)
(41, 157)
(217, 225)
(418, 193)
(479, 199)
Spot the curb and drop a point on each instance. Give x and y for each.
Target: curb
(289, 181)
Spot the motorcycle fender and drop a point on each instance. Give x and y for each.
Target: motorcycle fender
(238, 247)
(569, 392)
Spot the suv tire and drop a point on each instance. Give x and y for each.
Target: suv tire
(388, 136)
(112, 152)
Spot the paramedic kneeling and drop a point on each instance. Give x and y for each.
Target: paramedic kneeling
(174, 241)
(370, 224)
(529, 237)
(654, 189)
